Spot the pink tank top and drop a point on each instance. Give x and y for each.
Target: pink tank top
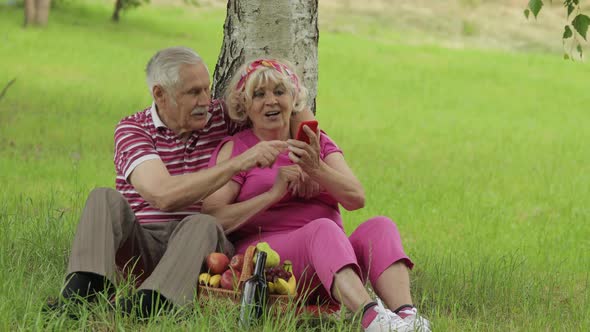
(291, 212)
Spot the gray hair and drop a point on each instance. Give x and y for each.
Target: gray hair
(163, 69)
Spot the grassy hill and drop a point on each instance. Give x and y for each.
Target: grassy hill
(481, 155)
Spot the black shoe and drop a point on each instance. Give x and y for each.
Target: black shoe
(80, 289)
(86, 285)
(145, 304)
(61, 306)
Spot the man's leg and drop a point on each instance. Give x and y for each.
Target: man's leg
(175, 276)
(107, 221)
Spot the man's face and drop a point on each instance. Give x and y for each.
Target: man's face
(192, 97)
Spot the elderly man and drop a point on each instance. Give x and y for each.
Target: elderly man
(153, 220)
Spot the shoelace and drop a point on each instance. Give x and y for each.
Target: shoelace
(395, 321)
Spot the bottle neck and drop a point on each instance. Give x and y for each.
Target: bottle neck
(260, 262)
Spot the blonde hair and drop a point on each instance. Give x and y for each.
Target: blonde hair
(239, 100)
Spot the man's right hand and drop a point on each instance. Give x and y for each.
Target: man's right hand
(263, 154)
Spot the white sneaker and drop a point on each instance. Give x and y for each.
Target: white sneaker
(416, 322)
(387, 321)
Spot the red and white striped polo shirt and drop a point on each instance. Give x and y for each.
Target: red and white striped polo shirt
(143, 136)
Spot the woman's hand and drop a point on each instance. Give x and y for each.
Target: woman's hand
(286, 175)
(306, 155)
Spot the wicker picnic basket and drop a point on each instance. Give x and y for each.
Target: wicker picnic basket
(206, 292)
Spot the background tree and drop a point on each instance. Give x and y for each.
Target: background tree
(576, 27)
(37, 12)
(124, 5)
(257, 28)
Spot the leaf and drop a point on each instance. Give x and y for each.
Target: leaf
(526, 13)
(579, 49)
(535, 6)
(570, 9)
(565, 56)
(581, 23)
(567, 33)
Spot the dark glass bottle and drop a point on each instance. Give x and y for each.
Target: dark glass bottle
(254, 294)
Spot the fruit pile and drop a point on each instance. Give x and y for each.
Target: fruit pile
(281, 280)
(225, 273)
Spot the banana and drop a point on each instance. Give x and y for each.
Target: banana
(281, 286)
(215, 280)
(284, 288)
(204, 278)
(292, 282)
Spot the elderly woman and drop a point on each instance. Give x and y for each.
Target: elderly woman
(257, 205)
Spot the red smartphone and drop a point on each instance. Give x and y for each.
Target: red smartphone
(301, 135)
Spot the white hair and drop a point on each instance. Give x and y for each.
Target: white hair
(163, 69)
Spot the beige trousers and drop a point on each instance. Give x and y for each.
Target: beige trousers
(167, 257)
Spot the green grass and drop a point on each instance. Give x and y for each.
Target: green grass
(481, 157)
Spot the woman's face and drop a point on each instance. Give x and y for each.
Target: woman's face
(271, 108)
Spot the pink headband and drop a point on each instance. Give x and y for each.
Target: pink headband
(268, 63)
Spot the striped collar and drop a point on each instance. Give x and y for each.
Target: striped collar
(156, 118)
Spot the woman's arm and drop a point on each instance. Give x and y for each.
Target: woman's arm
(332, 173)
(338, 179)
(232, 216)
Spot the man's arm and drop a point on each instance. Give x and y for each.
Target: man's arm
(168, 193)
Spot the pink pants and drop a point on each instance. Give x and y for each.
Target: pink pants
(321, 248)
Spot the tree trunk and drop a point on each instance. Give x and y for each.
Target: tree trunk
(118, 6)
(30, 10)
(42, 16)
(37, 12)
(281, 29)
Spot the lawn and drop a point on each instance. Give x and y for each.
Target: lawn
(482, 158)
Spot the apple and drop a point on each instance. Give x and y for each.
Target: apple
(217, 263)
(230, 279)
(237, 262)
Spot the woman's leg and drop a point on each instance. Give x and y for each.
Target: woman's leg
(378, 247)
(349, 290)
(393, 286)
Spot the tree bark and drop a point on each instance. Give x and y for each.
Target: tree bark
(262, 28)
(37, 12)
(118, 6)
(42, 14)
(30, 12)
